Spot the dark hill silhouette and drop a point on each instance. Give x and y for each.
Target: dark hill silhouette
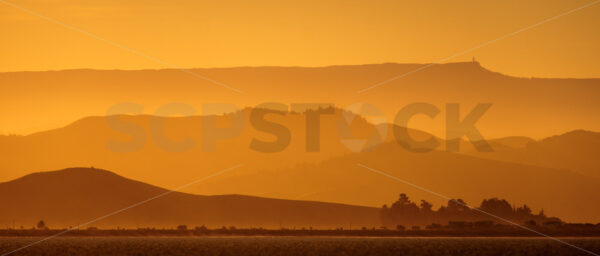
(563, 193)
(76, 195)
(296, 174)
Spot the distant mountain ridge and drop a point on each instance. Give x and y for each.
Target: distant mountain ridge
(567, 104)
(77, 195)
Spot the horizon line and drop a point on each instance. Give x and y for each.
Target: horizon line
(293, 66)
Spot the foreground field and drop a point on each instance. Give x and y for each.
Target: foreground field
(240, 246)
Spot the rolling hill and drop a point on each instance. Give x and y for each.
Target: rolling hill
(575, 150)
(331, 175)
(86, 143)
(75, 196)
(56, 98)
(559, 192)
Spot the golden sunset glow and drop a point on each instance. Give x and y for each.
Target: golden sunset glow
(193, 34)
(299, 127)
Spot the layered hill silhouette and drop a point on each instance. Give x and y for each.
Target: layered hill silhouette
(87, 143)
(75, 196)
(576, 150)
(332, 174)
(357, 179)
(530, 107)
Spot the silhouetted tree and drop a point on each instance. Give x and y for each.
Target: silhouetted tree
(201, 228)
(426, 207)
(404, 212)
(498, 207)
(41, 224)
(458, 205)
(542, 214)
(523, 212)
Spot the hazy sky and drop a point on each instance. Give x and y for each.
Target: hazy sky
(300, 33)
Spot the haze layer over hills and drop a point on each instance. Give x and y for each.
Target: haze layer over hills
(330, 174)
(530, 107)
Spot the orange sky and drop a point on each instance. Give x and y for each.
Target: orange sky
(307, 33)
(38, 35)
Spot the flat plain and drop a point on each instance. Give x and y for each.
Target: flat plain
(240, 246)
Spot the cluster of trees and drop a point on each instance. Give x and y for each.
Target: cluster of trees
(405, 212)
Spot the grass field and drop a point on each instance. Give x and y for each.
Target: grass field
(239, 246)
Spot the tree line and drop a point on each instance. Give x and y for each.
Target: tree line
(404, 212)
